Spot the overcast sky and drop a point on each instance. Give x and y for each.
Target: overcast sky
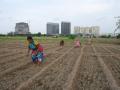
(38, 12)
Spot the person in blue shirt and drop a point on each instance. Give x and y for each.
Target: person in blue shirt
(37, 51)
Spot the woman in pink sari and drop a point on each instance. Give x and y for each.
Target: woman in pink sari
(77, 43)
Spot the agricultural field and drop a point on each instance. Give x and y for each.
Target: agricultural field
(93, 66)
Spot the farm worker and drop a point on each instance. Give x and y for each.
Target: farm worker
(61, 43)
(37, 50)
(77, 43)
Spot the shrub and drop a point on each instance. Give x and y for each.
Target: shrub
(72, 36)
(118, 36)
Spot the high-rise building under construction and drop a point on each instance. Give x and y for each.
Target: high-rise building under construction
(65, 28)
(21, 28)
(52, 28)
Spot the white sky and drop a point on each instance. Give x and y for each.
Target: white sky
(38, 12)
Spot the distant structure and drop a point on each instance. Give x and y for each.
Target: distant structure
(21, 28)
(117, 26)
(52, 28)
(65, 28)
(87, 31)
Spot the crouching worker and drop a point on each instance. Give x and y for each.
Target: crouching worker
(36, 51)
(61, 43)
(77, 43)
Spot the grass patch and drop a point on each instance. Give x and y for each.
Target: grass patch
(40, 39)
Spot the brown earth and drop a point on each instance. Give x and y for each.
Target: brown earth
(65, 68)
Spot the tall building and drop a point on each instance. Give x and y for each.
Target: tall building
(65, 28)
(87, 31)
(52, 28)
(21, 28)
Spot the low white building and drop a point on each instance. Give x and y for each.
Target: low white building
(87, 31)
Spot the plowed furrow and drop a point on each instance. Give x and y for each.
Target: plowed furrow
(100, 50)
(13, 62)
(113, 50)
(7, 60)
(88, 49)
(113, 64)
(25, 62)
(10, 54)
(90, 75)
(54, 77)
(4, 51)
(12, 79)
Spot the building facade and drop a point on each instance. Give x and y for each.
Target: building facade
(87, 31)
(52, 28)
(65, 28)
(21, 28)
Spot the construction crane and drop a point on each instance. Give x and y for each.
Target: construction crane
(117, 24)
